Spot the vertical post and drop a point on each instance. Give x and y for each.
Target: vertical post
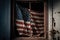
(29, 5)
(12, 28)
(45, 20)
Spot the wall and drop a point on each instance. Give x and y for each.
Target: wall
(56, 15)
(4, 19)
(49, 18)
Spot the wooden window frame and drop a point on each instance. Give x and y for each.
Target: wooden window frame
(13, 17)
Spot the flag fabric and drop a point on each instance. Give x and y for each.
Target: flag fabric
(23, 21)
(37, 22)
(29, 22)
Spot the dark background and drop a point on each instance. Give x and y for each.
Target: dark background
(5, 19)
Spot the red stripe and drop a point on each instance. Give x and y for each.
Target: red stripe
(39, 22)
(19, 22)
(37, 18)
(21, 27)
(35, 15)
(24, 28)
(28, 24)
(33, 25)
(40, 25)
(36, 25)
(24, 32)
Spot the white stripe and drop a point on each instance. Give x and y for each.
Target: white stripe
(25, 30)
(41, 28)
(20, 25)
(19, 20)
(23, 34)
(20, 33)
(37, 31)
(32, 19)
(28, 22)
(37, 17)
(31, 31)
(41, 31)
(39, 24)
(28, 26)
(36, 13)
(20, 29)
(32, 23)
(38, 21)
(29, 9)
(35, 28)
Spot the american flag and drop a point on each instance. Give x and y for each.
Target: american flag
(23, 21)
(37, 22)
(29, 23)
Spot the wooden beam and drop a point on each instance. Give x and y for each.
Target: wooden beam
(45, 19)
(28, 0)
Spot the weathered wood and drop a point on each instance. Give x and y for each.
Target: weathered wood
(28, 0)
(29, 38)
(45, 20)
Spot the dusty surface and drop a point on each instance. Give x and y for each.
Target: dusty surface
(29, 38)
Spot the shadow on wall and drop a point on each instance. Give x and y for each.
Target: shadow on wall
(4, 19)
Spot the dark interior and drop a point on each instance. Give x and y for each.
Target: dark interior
(36, 6)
